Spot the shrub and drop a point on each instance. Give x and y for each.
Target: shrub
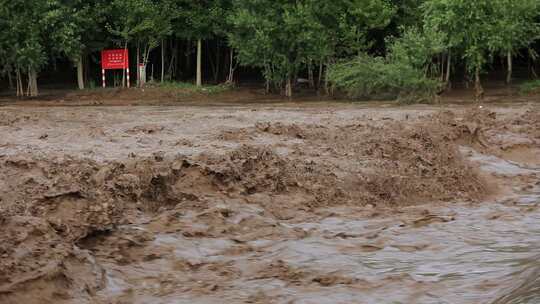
(192, 88)
(530, 87)
(377, 78)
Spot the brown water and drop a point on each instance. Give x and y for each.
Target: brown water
(269, 204)
(458, 253)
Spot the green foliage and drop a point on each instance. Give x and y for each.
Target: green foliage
(201, 19)
(402, 75)
(26, 40)
(415, 47)
(40, 30)
(530, 87)
(91, 85)
(466, 24)
(276, 35)
(192, 88)
(283, 36)
(515, 26)
(482, 28)
(144, 21)
(379, 78)
(346, 24)
(68, 22)
(408, 13)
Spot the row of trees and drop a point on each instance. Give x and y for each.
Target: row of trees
(478, 31)
(281, 38)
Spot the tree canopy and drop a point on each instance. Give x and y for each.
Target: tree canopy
(282, 39)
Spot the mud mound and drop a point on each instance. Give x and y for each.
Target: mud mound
(529, 123)
(398, 164)
(147, 129)
(516, 139)
(419, 164)
(38, 263)
(468, 130)
(238, 134)
(281, 270)
(290, 131)
(278, 128)
(9, 120)
(49, 205)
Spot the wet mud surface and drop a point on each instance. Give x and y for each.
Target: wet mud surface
(270, 204)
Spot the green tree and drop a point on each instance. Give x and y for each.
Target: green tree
(274, 35)
(467, 24)
(28, 41)
(408, 13)
(283, 36)
(346, 27)
(200, 20)
(416, 47)
(79, 31)
(482, 28)
(515, 27)
(143, 22)
(377, 77)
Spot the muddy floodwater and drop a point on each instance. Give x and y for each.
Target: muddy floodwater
(320, 203)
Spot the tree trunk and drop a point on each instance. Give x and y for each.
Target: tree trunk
(80, 72)
(230, 78)
(172, 62)
(448, 70)
(35, 91)
(509, 72)
(10, 79)
(19, 83)
(86, 69)
(138, 63)
(32, 83)
(326, 83)
(478, 89)
(211, 58)
(321, 70)
(267, 73)
(218, 62)
(199, 62)
(162, 60)
(288, 87)
(310, 75)
(442, 63)
(143, 74)
(188, 57)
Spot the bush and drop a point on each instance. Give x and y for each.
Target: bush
(192, 88)
(377, 78)
(530, 87)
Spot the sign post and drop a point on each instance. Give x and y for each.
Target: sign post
(117, 59)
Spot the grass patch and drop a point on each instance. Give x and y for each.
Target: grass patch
(192, 88)
(530, 87)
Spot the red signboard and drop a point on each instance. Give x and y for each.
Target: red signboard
(114, 59)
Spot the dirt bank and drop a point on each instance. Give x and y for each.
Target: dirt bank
(89, 192)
